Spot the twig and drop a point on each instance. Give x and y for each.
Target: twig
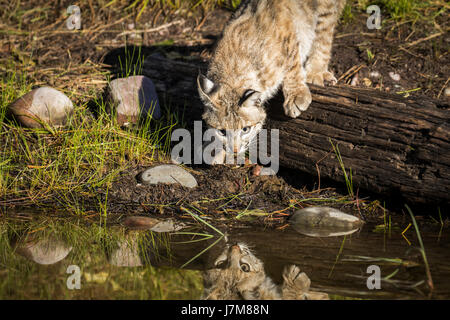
(164, 26)
(422, 40)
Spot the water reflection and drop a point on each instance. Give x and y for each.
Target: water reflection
(249, 263)
(42, 251)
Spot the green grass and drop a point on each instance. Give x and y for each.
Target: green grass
(396, 10)
(21, 278)
(69, 163)
(347, 176)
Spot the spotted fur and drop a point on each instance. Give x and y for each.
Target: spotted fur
(267, 44)
(239, 275)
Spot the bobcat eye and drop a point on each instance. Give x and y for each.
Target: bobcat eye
(222, 132)
(245, 267)
(246, 129)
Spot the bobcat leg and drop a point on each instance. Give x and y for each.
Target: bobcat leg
(296, 284)
(297, 96)
(319, 57)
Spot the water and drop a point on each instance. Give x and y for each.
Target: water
(119, 263)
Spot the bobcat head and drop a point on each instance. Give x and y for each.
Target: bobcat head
(235, 115)
(237, 274)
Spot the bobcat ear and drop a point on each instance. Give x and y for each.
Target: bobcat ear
(250, 98)
(205, 86)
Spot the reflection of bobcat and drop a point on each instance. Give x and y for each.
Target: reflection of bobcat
(238, 274)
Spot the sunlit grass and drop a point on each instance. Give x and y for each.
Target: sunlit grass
(89, 153)
(397, 10)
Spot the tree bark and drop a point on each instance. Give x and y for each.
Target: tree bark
(393, 145)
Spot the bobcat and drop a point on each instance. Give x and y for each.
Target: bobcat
(266, 44)
(238, 274)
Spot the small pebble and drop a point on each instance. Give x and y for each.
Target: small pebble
(447, 92)
(394, 76)
(374, 75)
(355, 80)
(367, 82)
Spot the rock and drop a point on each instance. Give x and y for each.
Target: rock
(45, 251)
(394, 76)
(152, 224)
(133, 98)
(374, 75)
(127, 254)
(367, 82)
(42, 105)
(355, 80)
(324, 222)
(168, 173)
(447, 92)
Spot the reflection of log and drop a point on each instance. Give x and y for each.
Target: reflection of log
(393, 145)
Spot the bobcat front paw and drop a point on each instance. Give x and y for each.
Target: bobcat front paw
(318, 78)
(293, 277)
(296, 102)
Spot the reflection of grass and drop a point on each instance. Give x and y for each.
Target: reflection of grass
(23, 279)
(221, 236)
(421, 249)
(337, 256)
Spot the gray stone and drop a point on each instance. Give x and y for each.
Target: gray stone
(324, 222)
(40, 106)
(45, 251)
(168, 173)
(133, 98)
(127, 254)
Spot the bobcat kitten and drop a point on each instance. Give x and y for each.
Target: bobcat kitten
(267, 44)
(238, 274)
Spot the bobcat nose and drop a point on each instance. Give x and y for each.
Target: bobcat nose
(236, 247)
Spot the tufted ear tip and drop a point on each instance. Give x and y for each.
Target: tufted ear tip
(205, 85)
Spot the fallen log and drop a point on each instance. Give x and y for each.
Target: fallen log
(393, 145)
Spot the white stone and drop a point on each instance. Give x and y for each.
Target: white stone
(447, 92)
(374, 74)
(168, 173)
(394, 76)
(43, 105)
